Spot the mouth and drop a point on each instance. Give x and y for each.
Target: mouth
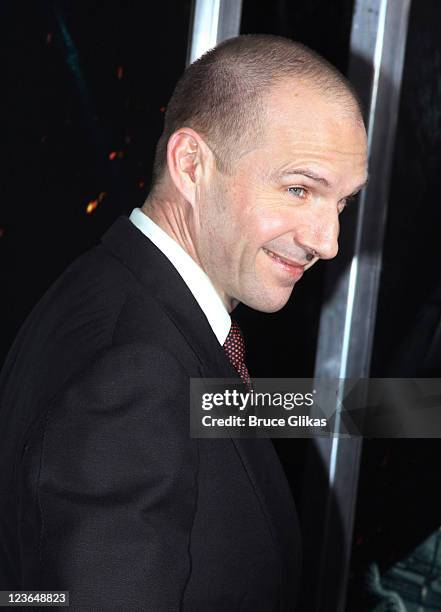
(294, 269)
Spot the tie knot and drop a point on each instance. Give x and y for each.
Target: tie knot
(234, 347)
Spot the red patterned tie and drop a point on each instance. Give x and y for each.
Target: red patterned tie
(234, 347)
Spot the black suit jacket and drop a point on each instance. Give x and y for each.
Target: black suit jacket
(102, 490)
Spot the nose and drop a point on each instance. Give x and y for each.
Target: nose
(319, 233)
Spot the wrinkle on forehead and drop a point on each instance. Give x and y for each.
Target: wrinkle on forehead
(314, 132)
(325, 145)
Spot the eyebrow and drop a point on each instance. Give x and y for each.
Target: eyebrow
(316, 177)
(309, 174)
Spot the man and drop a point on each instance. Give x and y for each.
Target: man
(104, 492)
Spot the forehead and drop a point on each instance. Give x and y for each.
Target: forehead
(302, 124)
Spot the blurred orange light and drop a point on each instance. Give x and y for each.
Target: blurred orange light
(91, 206)
(94, 203)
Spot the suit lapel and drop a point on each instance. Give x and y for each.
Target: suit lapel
(162, 282)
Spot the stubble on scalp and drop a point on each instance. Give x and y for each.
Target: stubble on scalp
(222, 95)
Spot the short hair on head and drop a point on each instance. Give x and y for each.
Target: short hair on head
(221, 95)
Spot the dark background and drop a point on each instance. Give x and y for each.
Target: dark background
(85, 85)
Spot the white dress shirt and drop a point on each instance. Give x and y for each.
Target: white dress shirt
(193, 276)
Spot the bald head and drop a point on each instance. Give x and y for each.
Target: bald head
(223, 95)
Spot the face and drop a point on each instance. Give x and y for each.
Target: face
(263, 226)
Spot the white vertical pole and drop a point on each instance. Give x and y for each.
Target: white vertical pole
(347, 323)
(213, 21)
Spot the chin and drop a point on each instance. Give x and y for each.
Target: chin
(268, 308)
(270, 303)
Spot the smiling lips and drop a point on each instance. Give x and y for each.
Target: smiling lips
(295, 270)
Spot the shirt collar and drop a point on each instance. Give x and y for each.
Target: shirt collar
(193, 276)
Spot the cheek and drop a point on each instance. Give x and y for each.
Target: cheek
(272, 221)
(247, 218)
(261, 211)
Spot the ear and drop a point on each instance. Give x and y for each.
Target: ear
(187, 155)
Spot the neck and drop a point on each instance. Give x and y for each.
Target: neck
(171, 217)
(177, 220)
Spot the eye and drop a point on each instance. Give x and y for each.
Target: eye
(298, 192)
